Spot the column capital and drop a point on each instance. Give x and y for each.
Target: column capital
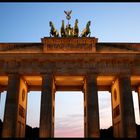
(13, 76)
(49, 75)
(91, 78)
(1, 89)
(13, 73)
(138, 88)
(91, 74)
(124, 76)
(121, 77)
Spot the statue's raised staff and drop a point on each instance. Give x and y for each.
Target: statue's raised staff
(76, 29)
(53, 31)
(86, 31)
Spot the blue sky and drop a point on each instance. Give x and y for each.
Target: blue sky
(109, 21)
(29, 22)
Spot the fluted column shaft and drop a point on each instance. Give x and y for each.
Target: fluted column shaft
(15, 107)
(92, 109)
(123, 109)
(46, 114)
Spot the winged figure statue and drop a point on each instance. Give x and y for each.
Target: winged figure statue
(68, 14)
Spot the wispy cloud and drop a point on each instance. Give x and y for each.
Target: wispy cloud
(70, 126)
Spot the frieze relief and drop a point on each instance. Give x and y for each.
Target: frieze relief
(67, 44)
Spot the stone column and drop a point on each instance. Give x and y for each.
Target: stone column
(53, 107)
(1, 90)
(46, 113)
(139, 98)
(123, 109)
(15, 108)
(85, 109)
(0, 95)
(91, 107)
(0, 99)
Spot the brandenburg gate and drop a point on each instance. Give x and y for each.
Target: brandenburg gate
(70, 63)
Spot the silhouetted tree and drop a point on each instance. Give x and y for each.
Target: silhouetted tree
(33, 133)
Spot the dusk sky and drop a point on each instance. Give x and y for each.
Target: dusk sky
(110, 22)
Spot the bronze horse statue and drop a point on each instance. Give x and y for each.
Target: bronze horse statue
(86, 31)
(62, 31)
(53, 31)
(76, 29)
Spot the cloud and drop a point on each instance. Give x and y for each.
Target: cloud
(70, 126)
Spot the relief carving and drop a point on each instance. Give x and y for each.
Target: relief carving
(21, 111)
(116, 111)
(66, 44)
